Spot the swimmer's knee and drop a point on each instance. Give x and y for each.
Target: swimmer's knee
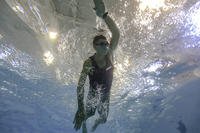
(90, 114)
(103, 119)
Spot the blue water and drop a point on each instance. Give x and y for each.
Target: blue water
(44, 105)
(34, 106)
(156, 83)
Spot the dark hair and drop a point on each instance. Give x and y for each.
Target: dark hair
(96, 38)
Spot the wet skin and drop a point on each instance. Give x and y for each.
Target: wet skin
(102, 47)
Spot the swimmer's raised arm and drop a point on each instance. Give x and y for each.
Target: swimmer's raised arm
(100, 11)
(114, 30)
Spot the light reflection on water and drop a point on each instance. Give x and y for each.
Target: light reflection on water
(149, 62)
(152, 5)
(193, 20)
(139, 50)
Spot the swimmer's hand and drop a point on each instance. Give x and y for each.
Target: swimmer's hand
(99, 8)
(79, 118)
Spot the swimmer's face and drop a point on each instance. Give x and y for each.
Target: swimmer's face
(101, 46)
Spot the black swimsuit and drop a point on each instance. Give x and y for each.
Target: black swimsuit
(99, 92)
(101, 77)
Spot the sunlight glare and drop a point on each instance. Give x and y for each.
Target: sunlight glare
(196, 19)
(18, 9)
(53, 35)
(153, 67)
(151, 4)
(48, 57)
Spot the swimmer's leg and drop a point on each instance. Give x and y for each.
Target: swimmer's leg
(103, 110)
(84, 128)
(90, 109)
